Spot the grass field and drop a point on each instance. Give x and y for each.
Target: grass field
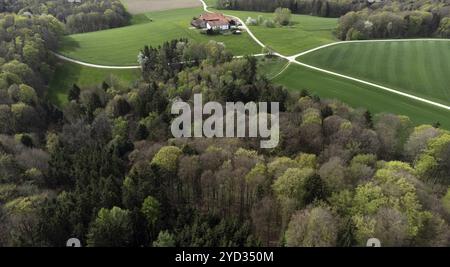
(120, 46)
(306, 32)
(358, 95)
(270, 67)
(211, 3)
(141, 6)
(420, 68)
(139, 19)
(68, 74)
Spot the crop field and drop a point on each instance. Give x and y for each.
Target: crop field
(141, 6)
(121, 46)
(68, 74)
(417, 67)
(359, 95)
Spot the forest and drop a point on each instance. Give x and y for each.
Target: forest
(26, 66)
(78, 17)
(323, 8)
(106, 170)
(365, 19)
(397, 20)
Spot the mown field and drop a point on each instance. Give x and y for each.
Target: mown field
(421, 68)
(68, 74)
(306, 32)
(271, 67)
(359, 95)
(120, 46)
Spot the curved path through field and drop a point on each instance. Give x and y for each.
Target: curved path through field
(293, 60)
(94, 65)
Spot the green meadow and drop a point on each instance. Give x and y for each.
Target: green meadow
(306, 32)
(121, 46)
(415, 67)
(67, 74)
(358, 95)
(271, 67)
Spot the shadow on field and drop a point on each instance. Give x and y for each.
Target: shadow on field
(62, 82)
(69, 44)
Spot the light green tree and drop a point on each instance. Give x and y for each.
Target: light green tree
(167, 158)
(316, 227)
(290, 184)
(165, 239)
(434, 163)
(111, 228)
(290, 190)
(150, 209)
(390, 198)
(282, 16)
(27, 94)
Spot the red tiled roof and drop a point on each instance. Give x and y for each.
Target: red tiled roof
(213, 16)
(215, 23)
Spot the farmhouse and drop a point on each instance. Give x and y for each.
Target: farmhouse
(213, 21)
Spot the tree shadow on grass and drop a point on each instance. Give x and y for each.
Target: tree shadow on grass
(69, 44)
(63, 80)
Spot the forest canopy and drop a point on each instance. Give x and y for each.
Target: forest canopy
(339, 176)
(82, 16)
(106, 169)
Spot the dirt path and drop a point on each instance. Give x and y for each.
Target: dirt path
(94, 65)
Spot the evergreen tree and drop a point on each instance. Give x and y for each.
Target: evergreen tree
(74, 93)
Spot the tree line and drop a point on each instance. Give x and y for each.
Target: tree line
(83, 16)
(365, 19)
(323, 8)
(26, 67)
(394, 23)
